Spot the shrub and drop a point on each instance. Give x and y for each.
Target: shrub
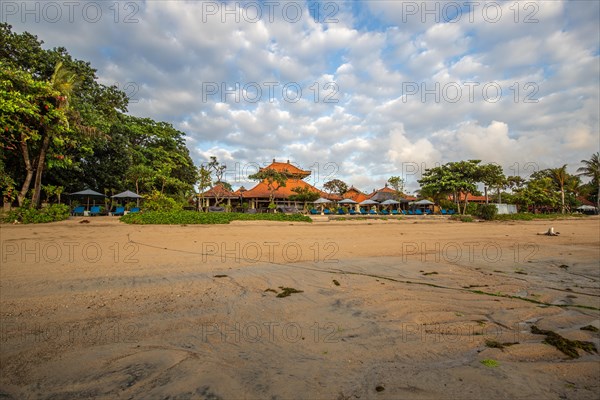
(157, 201)
(29, 215)
(487, 211)
(193, 217)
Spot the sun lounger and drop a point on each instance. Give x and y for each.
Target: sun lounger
(394, 212)
(384, 212)
(418, 212)
(372, 212)
(78, 210)
(119, 211)
(352, 212)
(363, 212)
(326, 211)
(95, 210)
(341, 212)
(444, 212)
(314, 212)
(134, 210)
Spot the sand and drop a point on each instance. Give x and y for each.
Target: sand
(385, 310)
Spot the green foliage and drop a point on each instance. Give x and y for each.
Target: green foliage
(490, 363)
(486, 211)
(30, 215)
(530, 217)
(397, 184)
(304, 194)
(273, 179)
(157, 201)
(336, 186)
(462, 218)
(193, 217)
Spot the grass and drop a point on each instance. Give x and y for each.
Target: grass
(530, 217)
(194, 217)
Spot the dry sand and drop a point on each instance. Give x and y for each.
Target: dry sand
(388, 310)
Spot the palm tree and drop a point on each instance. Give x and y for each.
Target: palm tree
(63, 81)
(591, 169)
(559, 176)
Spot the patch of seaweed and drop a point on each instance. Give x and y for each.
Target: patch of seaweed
(590, 328)
(336, 283)
(430, 273)
(567, 346)
(220, 276)
(288, 291)
(493, 344)
(271, 290)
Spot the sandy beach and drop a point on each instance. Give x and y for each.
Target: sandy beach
(382, 309)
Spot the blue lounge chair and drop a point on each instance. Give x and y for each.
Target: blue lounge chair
(363, 212)
(327, 212)
(78, 210)
(119, 211)
(444, 212)
(451, 212)
(95, 210)
(134, 210)
(352, 212)
(372, 212)
(394, 212)
(418, 212)
(314, 212)
(428, 211)
(341, 212)
(410, 212)
(404, 212)
(384, 212)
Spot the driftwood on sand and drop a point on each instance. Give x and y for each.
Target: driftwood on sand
(549, 232)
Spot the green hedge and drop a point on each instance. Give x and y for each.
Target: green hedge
(27, 215)
(194, 217)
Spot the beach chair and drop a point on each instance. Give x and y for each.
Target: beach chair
(418, 211)
(314, 212)
(384, 212)
(372, 212)
(95, 210)
(404, 212)
(78, 210)
(352, 211)
(341, 212)
(444, 212)
(363, 212)
(410, 212)
(451, 212)
(327, 212)
(394, 212)
(134, 210)
(119, 211)
(428, 211)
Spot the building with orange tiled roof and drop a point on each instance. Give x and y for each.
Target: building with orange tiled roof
(471, 198)
(219, 191)
(354, 194)
(260, 195)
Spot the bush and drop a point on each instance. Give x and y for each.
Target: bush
(193, 217)
(487, 211)
(462, 218)
(157, 201)
(28, 215)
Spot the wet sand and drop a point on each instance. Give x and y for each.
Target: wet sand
(385, 309)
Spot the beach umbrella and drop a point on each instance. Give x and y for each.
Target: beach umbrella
(87, 193)
(586, 207)
(424, 202)
(347, 201)
(390, 202)
(368, 202)
(128, 194)
(322, 200)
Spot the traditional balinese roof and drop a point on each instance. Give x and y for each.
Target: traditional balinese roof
(288, 169)
(220, 191)
(383, 194)
(261, 190)
(354, 194)
(470, 197)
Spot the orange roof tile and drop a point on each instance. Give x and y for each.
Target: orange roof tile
(261, 190)
(219, 190)
(470, 197)
(354, 194)
(287, 168)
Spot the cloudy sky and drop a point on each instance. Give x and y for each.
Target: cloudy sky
(353, 90)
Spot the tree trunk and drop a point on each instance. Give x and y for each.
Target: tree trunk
(598, 200)
(499, 196)
(37, 185)
(562, 200)
(486, 195)
(29, 175)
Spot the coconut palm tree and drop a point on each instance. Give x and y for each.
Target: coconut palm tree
(559, 176)
(591, 169)
(63, 81)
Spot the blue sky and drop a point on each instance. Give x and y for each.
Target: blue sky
(358, 91)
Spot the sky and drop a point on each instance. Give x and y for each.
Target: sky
(351, 90)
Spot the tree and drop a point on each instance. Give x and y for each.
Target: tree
(304, 194)
(272, 178)
(453, 178)
(397, 184)
(559, 177)
(591, 169)
(492, 176)
(218, 170)
(204, 181)
(336, 186)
